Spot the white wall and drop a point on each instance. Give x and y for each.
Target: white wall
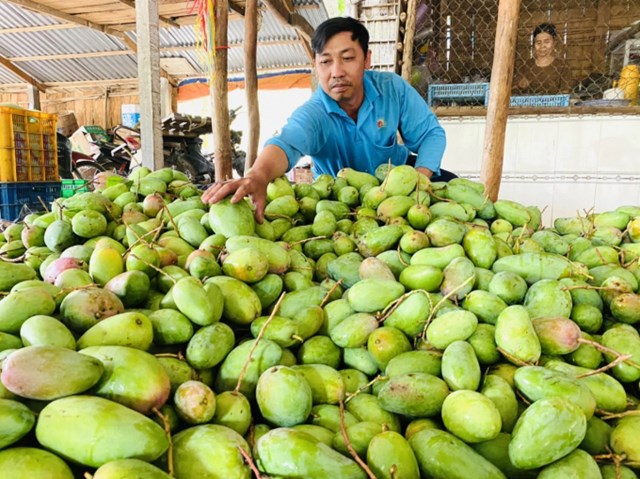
(563, 164)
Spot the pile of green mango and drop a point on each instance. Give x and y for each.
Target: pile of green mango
(371, 326)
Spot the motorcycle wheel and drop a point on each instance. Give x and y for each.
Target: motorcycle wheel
(86, 170)
(187, 168)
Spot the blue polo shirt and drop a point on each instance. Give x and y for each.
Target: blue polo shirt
(321, 129)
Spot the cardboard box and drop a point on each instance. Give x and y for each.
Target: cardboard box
(83, 142)
(67, 123)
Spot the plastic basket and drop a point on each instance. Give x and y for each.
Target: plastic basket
(28, 145)
(458, 91)
(539, 100)
(24, 197)
(72, 187)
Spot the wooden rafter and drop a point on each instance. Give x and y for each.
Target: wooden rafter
(283, 10)
(21, 73)
(39, 28)
(131, 51)
(167, 21)
(37, 7)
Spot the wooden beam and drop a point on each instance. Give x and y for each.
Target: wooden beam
(52, 12)
(132, 51)
(220, 95)
(39, 28)
(499, 96)
(251, 80)
(167, 21)
(409, 34)
(148, 44)
(287, 16)
(33, 94)
(20, 73)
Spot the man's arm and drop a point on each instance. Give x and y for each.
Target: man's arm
(271, 163)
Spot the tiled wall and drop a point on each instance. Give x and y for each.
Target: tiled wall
(563, 164)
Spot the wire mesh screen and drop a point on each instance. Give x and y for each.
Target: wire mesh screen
(567, 51)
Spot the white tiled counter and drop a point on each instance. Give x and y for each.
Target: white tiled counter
(563, 164)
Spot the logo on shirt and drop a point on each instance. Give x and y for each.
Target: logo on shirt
(381, 123)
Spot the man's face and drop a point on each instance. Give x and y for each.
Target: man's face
(543, 44)
(340, 68)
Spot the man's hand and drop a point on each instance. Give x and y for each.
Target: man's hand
(251, 186)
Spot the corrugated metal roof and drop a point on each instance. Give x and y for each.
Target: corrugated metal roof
(281, 48)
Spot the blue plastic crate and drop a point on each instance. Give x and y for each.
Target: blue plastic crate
(24, 197)
(540, 100)
(458, 91)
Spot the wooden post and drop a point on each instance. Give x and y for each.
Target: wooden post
(251, 79)
(33, 95)
(219, 92)
(409, 34)
(148, 44)
(499, 96)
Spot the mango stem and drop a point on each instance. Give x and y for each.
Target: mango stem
(353, 453)
(167, 431)
(362, 388)
(255, 344)
(249, 461)
(613, 352)
(330, 292)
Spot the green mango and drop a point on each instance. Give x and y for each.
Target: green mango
(401, 180)
(413, 394)
(268, 289)
(17, 307)
(105, 264)
(445, 232)
(471, 416)
(278, 258)
(287, 452)
(516, 335)
(625, 308)
(459, 278)
(480, 247)
(367, 407)
(117, 432)
(624, 438)
(438, 257)
(201, 305)
(370, 295)
(390, 456)
(394, 206)
(240, 304)
(129, 468)
(231, 219)
(596, 440)
(422, 277)
(546, 298)
(132, 377)
(359, 436)
(281, 207)
(536, 382)
(354, 330)
(624, 340)
(547, 430)
(496, 451)
(536, 266)
(486, 306)
(210, 345)
(460, 367)
(508, 286)
(327, 386)
(266, 354)
(194, 402)
(296, 301)
(484, 344)
(383, 238)
(514, 212)
(345, 268)
(451, 326)
(340, 210)
(426, 362)
(233, 410)
(608, 392)
(130, 329)
(441, 455)
(503, 396)
(462, 190)
(16, 420)
(284, 396)
(452, 210)
(31, 462)
(411, 313)
(577, 464)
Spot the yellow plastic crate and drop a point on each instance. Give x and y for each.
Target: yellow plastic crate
(28, 145)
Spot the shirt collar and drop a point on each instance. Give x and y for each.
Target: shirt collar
(371, 92)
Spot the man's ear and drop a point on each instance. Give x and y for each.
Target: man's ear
(367, 60)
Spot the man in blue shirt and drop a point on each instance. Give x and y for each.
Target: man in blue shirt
(351, 121)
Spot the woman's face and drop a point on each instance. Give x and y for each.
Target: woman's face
(543, 45)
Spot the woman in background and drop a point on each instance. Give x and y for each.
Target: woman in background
(544, 74)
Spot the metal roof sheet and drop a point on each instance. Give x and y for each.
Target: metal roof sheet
(55, 48)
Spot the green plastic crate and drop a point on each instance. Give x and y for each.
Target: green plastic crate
(71, 187)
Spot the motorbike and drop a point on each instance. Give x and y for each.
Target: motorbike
(182, 150)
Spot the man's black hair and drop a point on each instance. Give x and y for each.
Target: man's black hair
(549, 28)
(333, 26)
